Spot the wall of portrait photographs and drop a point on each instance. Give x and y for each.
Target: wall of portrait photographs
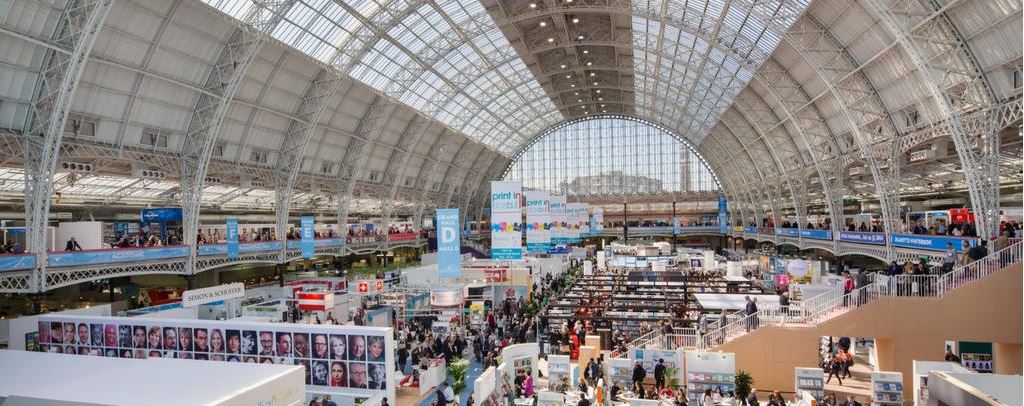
(353, 359)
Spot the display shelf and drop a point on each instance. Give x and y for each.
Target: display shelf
(698, 382)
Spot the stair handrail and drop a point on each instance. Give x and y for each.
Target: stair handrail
(965, 274)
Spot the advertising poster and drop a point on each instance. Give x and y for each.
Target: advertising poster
(506, 220)
(597, 226)
(232, 238)
(358, 359)
(677, 225)
(538, 221)
(584, 219)
(308, 244)
(449, 259)
(559, 228)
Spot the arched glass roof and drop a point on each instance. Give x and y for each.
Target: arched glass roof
(612, 156)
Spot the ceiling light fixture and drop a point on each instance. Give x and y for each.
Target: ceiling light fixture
(533, 5)
(579, 100)
(589, 63)
(575, 20)
(543, 24)
(568, 76)
(598, 90)
(592, 74)
(585, 52)
(551, 39)
(580, 37)
(562, 66)
(595, 83)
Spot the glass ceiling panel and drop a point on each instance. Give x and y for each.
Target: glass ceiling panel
(453, 66)
(685, 83)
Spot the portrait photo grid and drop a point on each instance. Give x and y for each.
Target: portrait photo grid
(335, 360)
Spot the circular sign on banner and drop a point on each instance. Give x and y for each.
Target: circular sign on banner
(798, 268)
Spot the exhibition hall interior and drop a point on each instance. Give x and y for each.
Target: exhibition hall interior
(511, 202)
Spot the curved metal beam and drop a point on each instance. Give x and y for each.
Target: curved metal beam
(60, 74)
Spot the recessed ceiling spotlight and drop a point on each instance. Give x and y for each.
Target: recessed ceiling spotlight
(568, 76)
(579, 100)
(604, 111)
(580, 37)
(572, 85)
(568, 1)
(562, 66)
(592, 74)
(576, 94)
(599, 90)
(595, 83)
(586, 52)
(551, 39)
(600, 99)
(589, 63)
(575, 20)
(543, 23)
(602, 106)
(533, 5)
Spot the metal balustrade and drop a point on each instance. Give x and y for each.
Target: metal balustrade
(823, 307)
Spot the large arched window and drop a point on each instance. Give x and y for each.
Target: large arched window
(611, 156)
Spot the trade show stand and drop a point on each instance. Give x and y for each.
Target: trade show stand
(59, 379)
(922, 369)
(950, 388)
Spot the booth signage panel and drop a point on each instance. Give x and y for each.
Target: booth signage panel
(597, 225)
(506, 220)
(787, 232)
(196, 297)
(232, 238)
(162, 215)
(751, 230)
(106, 256)
(538, 221)
(583, 217)
(862, 237)
(929, 242)
(449, 259)
(572, 211)
(723, 219)
(446, 297)
(816, 234)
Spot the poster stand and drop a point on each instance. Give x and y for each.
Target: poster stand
(810, 381)
(709, 370)
(558, 371)
(887, 388)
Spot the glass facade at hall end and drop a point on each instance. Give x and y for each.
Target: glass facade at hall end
(611, 156)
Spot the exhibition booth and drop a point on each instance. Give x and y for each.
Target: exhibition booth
(347, 360)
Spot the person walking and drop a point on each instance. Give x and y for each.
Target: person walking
(784, 305)
(639, 374)
(659, 375)
(833, 369)
(848, 286)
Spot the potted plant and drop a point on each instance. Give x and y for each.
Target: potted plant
(744, 383)
(457, 371)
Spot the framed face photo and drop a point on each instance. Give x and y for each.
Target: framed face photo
(266, 360)
(320, 346)
(127, 353)
(339, 374)
(97, 333)
(124, 336)
(266, 343)
(82, 335)
(154, 354)
(217, 341)
(378, 376)
(339, 344)
(57, 333)
(83, 350)
(234, 358)
(234, 341)
(356, 349)
(250, 360)
(112, 352)
(154, 340)
(185, 339)
(139, 337)
(109, 335)
(200, 356)
(217, 357)
(184, 354)
(44, 332)
(375, 348)
(357, 375)
(249, 342)
(319, 373)
(300, 344)
(284, 344)
(170, 338)
(69, 333)
(201, 340)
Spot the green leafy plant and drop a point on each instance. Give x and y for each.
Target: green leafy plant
(744, 383)
(457, 371)
(673, 381)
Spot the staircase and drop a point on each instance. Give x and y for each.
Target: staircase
(824, 307)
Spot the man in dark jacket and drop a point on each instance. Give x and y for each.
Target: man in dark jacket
(639, 374)
(978, 251)
(659, 375)
(72, 245)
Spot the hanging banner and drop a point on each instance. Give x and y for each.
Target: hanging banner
(308, 246)
(232, 238)
(469, 225)
(319, 301)
(597, 222)
(449, 261)
(584, 219)
(572, 234)
(559, 230)
(506, 220)
(723, 221)
(538, 221)
(677, 225)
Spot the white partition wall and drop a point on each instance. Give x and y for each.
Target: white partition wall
(356, 360)
(522, 356)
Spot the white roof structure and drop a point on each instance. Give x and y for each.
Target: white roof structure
(152, 381)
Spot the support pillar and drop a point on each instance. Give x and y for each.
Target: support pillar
(625, 224)
(190, 282)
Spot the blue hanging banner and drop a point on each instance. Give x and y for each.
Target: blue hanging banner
(232, 238)
(449, 260)
(161, 215)
(677, 225)
(723, 218)
(308, 245)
